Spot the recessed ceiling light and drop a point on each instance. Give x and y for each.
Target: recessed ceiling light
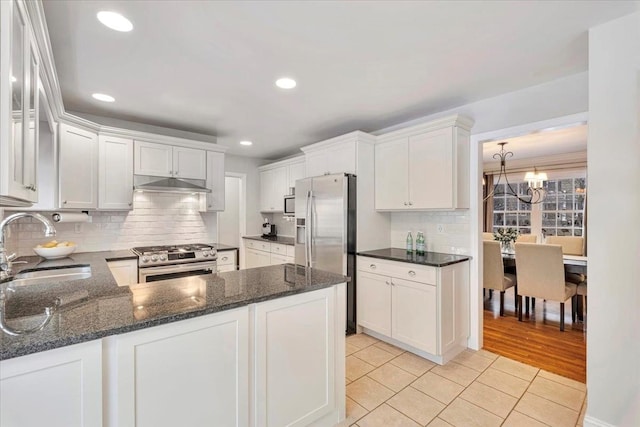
(286, 83)
(115, 21)
(246, 143)
(104, 98)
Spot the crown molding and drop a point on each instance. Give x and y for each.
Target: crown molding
(356, 136)
(457, 120)
(280, 163)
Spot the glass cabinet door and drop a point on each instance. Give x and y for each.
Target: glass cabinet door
(18, 77)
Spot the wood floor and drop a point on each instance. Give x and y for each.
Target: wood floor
(537, 341)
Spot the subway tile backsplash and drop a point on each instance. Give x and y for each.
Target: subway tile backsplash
(157, 218)
(454, 237)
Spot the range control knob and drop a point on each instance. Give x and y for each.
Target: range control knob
(145, 259)
(163, 257)
(154, 258)
(205, 254)
(213, 253)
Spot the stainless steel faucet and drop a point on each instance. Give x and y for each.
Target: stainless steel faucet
(5, 260)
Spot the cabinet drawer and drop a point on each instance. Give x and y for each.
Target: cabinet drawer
(223, 268)
(257, 245)
(227, 258)
(280, 259)
(401, 270)
(279, 248)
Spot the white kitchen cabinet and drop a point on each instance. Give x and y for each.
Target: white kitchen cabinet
(337, 158)
(193, 373)
(419, 308)
(78, 168)
(58, 388)
(254, 258)
(276, 259)
(424, 167)
(273, 187)
(296, 374)
(260, 254)
(19, 109)
(296, 172)
(215, 181)
(115, 173)
(227, 261)
(155, 159)
(124, 271)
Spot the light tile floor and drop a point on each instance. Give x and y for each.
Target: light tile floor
(389, 387)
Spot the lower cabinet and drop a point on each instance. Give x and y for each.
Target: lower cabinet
(420, 308)
(56, 388)
(262, 254)
(125, 271)
(255, 258)
(227, 261)
(192, 373)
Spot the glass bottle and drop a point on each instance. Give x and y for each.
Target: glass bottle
(409, 243)
(420, 243)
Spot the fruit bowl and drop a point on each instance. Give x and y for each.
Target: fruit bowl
(61, 250)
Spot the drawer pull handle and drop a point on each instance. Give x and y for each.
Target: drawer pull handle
(412, 273)
(387, 282)
(372, 266)
(224, 258)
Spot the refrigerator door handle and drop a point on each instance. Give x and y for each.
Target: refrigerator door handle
(308, 230)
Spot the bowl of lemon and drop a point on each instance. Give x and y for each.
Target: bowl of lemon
(55, 249)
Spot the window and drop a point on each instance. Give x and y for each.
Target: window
(561, 213)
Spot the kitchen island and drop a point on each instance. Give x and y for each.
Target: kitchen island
(262, 346)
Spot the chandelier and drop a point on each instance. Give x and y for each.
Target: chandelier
(535, 191)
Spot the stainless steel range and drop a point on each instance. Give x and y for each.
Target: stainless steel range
(170, 262)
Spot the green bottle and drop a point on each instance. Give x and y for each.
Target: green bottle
(409, 243)
(420, 243)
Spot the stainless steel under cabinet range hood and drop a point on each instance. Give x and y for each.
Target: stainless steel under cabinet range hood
(169, 185)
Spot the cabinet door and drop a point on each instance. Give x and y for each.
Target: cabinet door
(279, 259)
(414, 314)
(431, 170)
(280, 187)
(254, 258)
(295, 367)
(266, 191)
(342, 159)
(153, 159)
(58, 388)
(125, 272)
(374, 302)
(296, 172)
(223, 268)
(78, 168)
(189, 163)
(115, 173)
(316, 163)
(215, 181)
(391, 175)
(188, 373)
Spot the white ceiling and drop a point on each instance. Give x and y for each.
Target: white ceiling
(210, 67)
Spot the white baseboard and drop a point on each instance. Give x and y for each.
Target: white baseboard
(594, 422)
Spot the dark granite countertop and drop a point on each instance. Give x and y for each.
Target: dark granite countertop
(432, 259)
(285, 240)
(96, 307)
(220, 247)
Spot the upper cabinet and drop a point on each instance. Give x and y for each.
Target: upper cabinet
(276, 181)
(78, 168)
(424, 167)
(336, 155)
(115, 173)
(19, 83)
(215, 181)
(169, 161)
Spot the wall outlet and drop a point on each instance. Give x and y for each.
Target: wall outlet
(440, 228)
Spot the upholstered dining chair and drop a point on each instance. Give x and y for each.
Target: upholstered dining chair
(487, 236)
(541, 275)
(494, 277)
(582, 293)
(527, 238)
(571, 245)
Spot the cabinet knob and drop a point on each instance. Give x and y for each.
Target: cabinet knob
(130, 203)
(392, 284)
(372, 266)
(224, 258)
(412, 273)
(177, 173)
(170, 172)
(387, 282)
(410, 203)
(209, 206)
(406, 204)
(64, 203)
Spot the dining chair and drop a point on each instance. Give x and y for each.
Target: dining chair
(487, 236)
(494, 277)
(571, 245)
(541, 275)
(527, 238)
(581, 293)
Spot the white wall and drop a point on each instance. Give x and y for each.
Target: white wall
(229, 219)
(613, 337)
(156, 218)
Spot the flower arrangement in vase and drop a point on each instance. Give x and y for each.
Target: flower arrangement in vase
(506, 237)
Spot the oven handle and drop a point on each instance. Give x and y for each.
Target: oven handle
(179, 267)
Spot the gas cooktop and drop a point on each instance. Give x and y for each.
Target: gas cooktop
(174, 254)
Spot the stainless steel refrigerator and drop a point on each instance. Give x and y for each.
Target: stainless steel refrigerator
(326, 229)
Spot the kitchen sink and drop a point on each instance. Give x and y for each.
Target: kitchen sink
(52, 275)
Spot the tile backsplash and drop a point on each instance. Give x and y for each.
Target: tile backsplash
(453, 238)
(284, 226)
(156, 218)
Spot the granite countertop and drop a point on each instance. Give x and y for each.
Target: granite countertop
(96, 307)
(285, 240)
(432, 259)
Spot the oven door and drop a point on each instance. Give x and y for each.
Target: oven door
(164, 272)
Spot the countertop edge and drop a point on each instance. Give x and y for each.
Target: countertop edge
(463, 258)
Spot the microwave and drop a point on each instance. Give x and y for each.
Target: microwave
(289, 205)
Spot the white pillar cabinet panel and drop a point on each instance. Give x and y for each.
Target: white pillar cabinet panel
(316, 163)
(115, 173)
(188, 373)
(391, 175)
(296, 172)
(295, 360)
(124, 271)
(153, 159)
(374, 302)
(189, 163)
(78, 168)
(215, 181)
(55, 388)
(414, 310)
(431, 170)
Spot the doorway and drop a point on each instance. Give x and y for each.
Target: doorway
(232, 221)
